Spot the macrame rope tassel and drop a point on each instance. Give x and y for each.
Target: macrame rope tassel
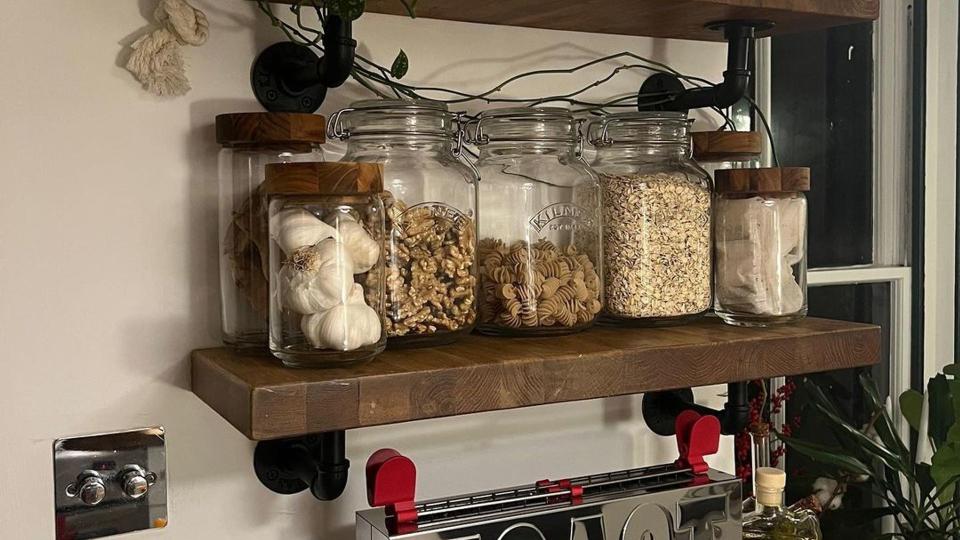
(157, 59)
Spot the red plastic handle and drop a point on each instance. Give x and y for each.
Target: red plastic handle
(697, 436)
(391, 479)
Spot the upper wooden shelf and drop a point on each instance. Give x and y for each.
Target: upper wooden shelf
(265, 400)
(684, 19)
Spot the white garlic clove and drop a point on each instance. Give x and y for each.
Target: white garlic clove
(317, 278)
(345, 327)
(356, 295)
(294, 228)
(362, 247)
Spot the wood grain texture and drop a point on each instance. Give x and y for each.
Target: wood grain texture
(323, 178)
(762, 180)
(268, 129)
(714, 146)
(264, 400)
(684, 19)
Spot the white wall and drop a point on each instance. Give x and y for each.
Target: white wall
(108, 267)
(941, 185)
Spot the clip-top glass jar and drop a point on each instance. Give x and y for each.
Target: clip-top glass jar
(761, 245)
(249, 142)
(657, 254)
(540, 234)
(326, 262)
(431, 199)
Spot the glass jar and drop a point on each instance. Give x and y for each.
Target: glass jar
(539, 251)
(250, 141)
(657, 255)
(761, 245)
(326, 226)
(431, 203)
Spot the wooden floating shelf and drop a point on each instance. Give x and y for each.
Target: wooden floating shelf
(684, 19)
(265, 400)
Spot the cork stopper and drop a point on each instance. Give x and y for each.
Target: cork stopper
(770, 484)
(323, 178)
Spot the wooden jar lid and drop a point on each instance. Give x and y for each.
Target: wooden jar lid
(264, 129)
(767, 180)
(713, 146)
(323, 178)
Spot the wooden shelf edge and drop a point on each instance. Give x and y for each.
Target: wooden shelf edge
(264, 400)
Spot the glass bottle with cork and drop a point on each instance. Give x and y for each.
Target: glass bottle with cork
(771, 520)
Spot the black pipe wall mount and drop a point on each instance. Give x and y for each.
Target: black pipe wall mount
(666, 92)
(316, 462)
(660, 409)
(289, 77)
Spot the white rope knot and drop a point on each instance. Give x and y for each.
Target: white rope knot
(157, 60)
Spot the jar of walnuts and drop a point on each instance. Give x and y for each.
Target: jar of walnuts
(657, 209)
(540, 234)
(431, 211)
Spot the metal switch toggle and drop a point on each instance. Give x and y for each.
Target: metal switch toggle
(89, 488)
(135, 481)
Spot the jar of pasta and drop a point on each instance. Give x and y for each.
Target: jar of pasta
(539, 251)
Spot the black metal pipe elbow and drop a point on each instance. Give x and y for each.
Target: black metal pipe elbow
(736, 79)
(315, 462)
(339, 50)
(333, 468)
(660, 409)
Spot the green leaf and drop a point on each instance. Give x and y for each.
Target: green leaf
(411, 7)
(911, 406)
(945, 469)
(349, 10)
(953, 435)
(867, 444)
(955, 396)
(886, 429)
(400, 65)
(819, 398)
(828, 455)
(952, 369)
(941, 416)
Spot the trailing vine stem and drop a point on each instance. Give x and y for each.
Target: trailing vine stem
(380, 81)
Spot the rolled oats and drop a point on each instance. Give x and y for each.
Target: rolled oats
(657, 246)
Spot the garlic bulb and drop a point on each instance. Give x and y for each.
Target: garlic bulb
(344, 327)
(295, 228)
(364, 249)
(317, 278)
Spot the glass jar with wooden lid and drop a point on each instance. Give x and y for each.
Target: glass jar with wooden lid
(249, 142)
(326, 225)
(761, 245)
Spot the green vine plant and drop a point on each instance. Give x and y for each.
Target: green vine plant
(387, 82)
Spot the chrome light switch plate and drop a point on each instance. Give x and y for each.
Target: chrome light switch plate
(111, 483)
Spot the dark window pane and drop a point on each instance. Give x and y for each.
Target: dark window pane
(822, 115)
(867, 303)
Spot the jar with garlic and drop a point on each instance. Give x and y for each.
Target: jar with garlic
(431, 215)
(326, 225)
(539, 252)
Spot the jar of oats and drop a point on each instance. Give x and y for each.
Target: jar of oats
(540, 236)
(657, 255)
(431, 210)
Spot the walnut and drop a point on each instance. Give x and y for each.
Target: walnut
(431, 282)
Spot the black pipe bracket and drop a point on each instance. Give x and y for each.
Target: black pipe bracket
(660, 409)
(666, 92)
(316, 462)
(290, 77)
